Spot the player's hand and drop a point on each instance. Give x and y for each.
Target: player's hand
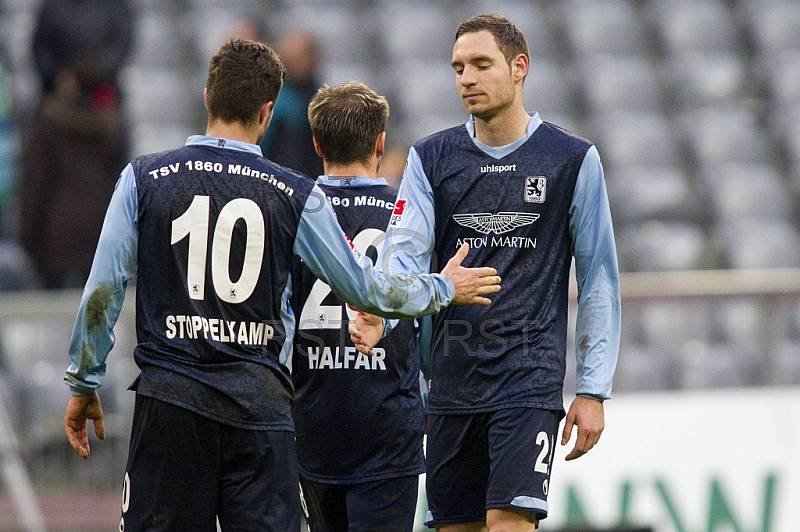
(471, 283)
(365, 330)
(81, 408)
(587, 415)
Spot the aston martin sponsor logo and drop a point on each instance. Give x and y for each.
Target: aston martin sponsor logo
(499, 223)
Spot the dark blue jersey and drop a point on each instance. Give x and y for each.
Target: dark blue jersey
(515, 214)
(216, 231)
(357, 418)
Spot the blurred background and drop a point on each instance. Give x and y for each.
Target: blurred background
(694, 106)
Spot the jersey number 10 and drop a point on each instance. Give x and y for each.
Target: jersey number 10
(194, 223)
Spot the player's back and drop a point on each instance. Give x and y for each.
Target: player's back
(357, 418)
(217, 224)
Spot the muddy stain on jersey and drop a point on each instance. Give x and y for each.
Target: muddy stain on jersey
(97, 306)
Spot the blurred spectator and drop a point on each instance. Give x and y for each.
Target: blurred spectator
(77, 145)
(99, 32)
(288, 140)
(7, 151)
(249, 27)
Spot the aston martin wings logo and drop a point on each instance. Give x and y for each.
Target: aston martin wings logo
(499, 223)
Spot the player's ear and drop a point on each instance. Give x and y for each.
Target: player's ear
(519, 67)
(380, 144)
(205, 97)
(317, 148)
(265, 113)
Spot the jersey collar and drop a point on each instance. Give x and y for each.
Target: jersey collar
(345, 182)
(502, 151)
(218, 142)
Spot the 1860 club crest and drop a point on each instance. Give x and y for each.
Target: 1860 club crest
(535, 189)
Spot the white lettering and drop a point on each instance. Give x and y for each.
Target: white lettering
(378, 358)
(171, 332)
(327, 359)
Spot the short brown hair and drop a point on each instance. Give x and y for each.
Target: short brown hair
(346, 121)
(509, 37)
(242, 76)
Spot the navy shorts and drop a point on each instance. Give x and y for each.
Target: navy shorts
(498, 459)
(387, 505)
(184, 471)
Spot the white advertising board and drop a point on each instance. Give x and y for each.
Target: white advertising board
(711, 461)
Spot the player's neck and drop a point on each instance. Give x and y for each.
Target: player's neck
(232, 131)
(504, 128)
(354, 169)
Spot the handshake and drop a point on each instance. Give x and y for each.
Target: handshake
(471, 286)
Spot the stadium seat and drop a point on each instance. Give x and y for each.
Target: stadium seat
(619, 82)
(774, 24)
(781, 74)
(344, 33)
(641, 368)
(759, 243)
(159, 95)
(602, 26)
(530, 16)
(708, 78)
(786, 365)
(663, 246)
(156, 43)
(740, 192)
(549, 88)
(740, 321)
(668, 325)
(646, 192)
(17, 271)
(717, 365)
(699, 25)
(717, 135)
(627, 138)
(415, 29)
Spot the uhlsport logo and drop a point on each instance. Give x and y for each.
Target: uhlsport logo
(499, 223)
(535, 189)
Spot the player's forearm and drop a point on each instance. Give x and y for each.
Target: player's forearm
(597, 275)
(114, 264)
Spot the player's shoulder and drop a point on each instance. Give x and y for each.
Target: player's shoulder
(288, 173)
(440, 145)
(157, 159)
(563, 135)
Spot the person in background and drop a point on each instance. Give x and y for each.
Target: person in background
(78, 139)
(289, 140)
(531, 197)
(210, 230)
(358, 419)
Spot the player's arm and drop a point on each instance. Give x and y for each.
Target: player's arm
(93, 336)
(599, 315)
(408, 245)
(323, 247)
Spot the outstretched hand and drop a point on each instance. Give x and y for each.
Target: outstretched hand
(80, 409)
(588, 415)
(471, 283)
(365, 330)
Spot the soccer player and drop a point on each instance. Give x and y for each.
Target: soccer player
(529, 197)
(358, 419)
(210, 230)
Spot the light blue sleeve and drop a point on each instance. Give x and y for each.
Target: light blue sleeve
(326, 251)
(410, 236)
(114, 264)
(597, 275)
